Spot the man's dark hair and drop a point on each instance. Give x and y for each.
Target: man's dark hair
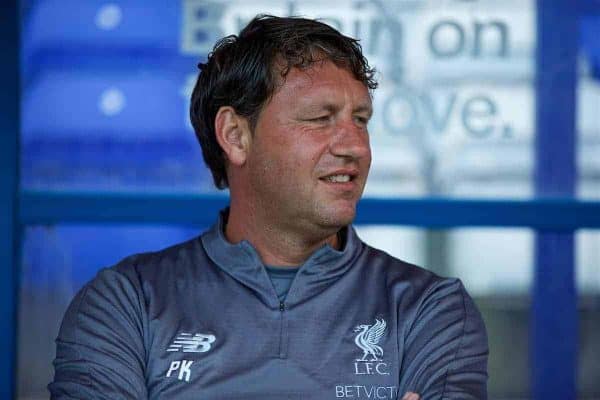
(244, 71)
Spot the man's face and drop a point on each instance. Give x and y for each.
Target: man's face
(310, 152)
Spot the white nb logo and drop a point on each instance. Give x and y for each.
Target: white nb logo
(188, 343)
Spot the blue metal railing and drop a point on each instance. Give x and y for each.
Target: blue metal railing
(9, 238)
(542, 214)
(553, 358)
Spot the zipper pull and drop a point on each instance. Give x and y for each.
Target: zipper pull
(281, 306)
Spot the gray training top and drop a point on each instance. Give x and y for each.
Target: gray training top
(202, 320)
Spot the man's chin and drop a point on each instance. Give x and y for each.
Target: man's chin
(338, 217)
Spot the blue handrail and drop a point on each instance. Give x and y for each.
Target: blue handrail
(542, 214)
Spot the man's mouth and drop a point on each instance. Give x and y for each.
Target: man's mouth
(337, 178)
(340, 176)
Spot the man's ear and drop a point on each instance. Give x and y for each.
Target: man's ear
(233, 134)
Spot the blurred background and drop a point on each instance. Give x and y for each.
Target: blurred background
(491, 101)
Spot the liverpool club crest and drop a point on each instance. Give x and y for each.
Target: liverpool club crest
(367, 339)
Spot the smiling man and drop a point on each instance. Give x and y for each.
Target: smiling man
(280, 299)
(296, 175)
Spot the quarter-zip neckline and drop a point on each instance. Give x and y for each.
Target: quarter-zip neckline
(241, 261)
(283, 332)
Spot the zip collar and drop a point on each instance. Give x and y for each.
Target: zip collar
(324, 267)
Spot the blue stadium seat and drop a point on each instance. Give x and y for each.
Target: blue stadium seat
(130, 104)
(100, 130)
(98, 23)
(69, 31)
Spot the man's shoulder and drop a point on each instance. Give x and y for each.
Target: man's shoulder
(411, 280)
(153, 266)
(401, 270)
(177, 255)
(432, 295)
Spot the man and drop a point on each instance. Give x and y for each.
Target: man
(280, 299)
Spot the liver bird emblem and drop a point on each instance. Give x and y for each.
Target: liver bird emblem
(368, 338)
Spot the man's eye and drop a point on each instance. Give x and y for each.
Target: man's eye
(321, 118)
(362, 120)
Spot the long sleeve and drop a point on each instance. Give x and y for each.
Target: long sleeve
(446, 349)
(100, 351)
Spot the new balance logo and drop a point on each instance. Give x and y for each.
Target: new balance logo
(188, 343)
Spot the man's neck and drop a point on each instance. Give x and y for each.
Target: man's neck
(274, 244)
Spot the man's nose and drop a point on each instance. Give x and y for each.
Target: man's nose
(350, 140)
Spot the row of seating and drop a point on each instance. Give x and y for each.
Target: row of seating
(108, 83)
